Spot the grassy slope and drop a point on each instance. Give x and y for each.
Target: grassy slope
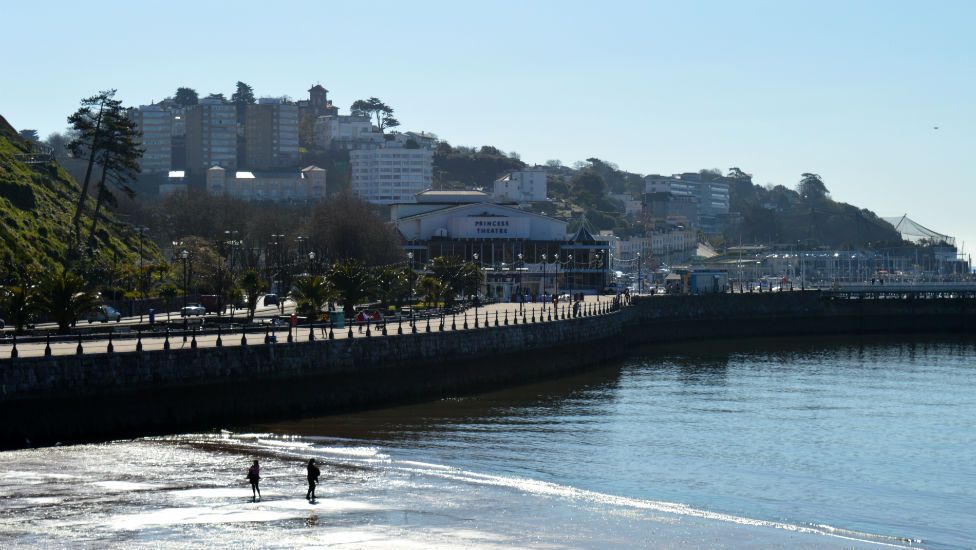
(36, 206)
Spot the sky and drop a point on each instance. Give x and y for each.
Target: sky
(850, 90)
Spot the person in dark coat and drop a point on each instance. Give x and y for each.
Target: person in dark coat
(254, 476)
(313, 478)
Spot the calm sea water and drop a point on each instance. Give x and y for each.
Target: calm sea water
(786, 443)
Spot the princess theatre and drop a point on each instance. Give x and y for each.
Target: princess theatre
(519, 251)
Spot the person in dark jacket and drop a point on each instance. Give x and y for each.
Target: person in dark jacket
(313, 478)
(254, 476)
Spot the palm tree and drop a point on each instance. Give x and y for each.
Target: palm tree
(394, 285)
(310, 293)
(252, 284)
(65, 298)
(432, 290)
(21, 303)
(352, 281)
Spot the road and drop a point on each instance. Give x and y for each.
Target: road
(301, 333)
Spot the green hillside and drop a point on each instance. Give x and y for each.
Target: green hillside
(37, 203)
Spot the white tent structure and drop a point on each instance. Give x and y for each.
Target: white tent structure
(915, 232)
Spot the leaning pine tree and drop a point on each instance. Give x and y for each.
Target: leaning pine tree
(88, 122)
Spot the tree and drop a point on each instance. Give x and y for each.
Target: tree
(394, 284)
(186, 97)
(346, 228)
(811, 187)
(20, 302)
(65, 298)
(431, 288)
(88, 124)
(310, 293)
(375, 108)
(58, 143)
(217, 95)
(168, 292)
(29, 135)
(352, 282)
(587, 187)
(457, 277)
(222, 283)
(252, 284)
(119, 161)
(243, 97)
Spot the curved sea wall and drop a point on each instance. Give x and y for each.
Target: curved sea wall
(103, 396)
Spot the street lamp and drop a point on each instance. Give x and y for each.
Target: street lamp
(542, 291)
(475, 256)
(311, 260)
(142, 271)
(521, 291)
(184, 255)
(640, 273)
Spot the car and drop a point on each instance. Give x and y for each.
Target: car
(3, 324)
(104, 314)
(192, 309)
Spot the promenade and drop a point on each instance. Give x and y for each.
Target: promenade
(124, 339)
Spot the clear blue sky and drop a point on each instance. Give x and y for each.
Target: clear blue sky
(849, 90)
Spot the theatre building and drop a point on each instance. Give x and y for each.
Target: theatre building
(516, 249)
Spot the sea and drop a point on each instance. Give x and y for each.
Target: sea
(785, 443)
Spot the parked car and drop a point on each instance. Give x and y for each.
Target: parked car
(270, 299)
(104, 314)
(192, 309)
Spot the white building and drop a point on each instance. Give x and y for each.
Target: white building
(390, 174)
(155, 127)
(307, 184)
(527, 185)
(345, 131)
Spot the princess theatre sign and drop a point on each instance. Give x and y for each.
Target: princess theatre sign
(489, 227)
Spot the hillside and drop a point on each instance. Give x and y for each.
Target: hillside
(37, 203)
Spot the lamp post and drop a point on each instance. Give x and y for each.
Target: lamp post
(142, 272)
(640, 273)
(475, 256)
(185, 256)
(542, 291)
(279, 242)
(519, 270)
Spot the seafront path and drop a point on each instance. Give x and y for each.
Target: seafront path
(127, 340)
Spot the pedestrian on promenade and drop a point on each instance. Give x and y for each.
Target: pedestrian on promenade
(361, 320)
(313, 478)
(254, 476)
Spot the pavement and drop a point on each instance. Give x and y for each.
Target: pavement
(300, 334)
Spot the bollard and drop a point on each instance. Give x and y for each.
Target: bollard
(13, 351)
(476, 318)
(243, 335)
(166, 341)
(220, 343)
(384, 329)
(496, 318)
(331, 332)
(413, 324)
(288, 339)
(79, 350)
(549, 315)
(428, 322)
(533, 315)
(139, 339)
(193, 342)
(350, 336)
(506, 318)
(453, 321)
(465, 319)
(400, 325)
(441, 325)
(367, 328)
(47, 347)
(486, 318)
(111, 347)
(311, 332)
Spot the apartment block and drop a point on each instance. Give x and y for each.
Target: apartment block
(391, 174)
(155, 126)
(211, 136)
(271, 135)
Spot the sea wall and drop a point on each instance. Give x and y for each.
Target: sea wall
(104, 396)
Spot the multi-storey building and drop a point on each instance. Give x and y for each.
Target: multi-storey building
(390, 174)
(271, 135)
(527, 185)
(712, 196)
(155, 127)
(211, 136)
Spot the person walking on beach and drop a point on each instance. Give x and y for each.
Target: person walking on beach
(313, 478)
(254, 476)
